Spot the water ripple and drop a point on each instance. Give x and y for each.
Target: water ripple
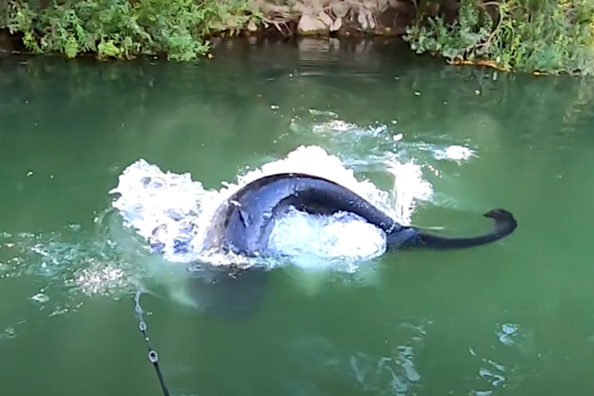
(70, 264)
(395, 373)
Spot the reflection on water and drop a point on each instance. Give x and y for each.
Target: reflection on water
(509, 318)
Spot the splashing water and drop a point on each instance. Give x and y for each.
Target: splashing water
(381, 140)
(173, 213)
(66, 267)
(408, 175)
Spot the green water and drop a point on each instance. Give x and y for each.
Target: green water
(430, 323)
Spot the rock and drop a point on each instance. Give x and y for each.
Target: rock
(343, 18)
(365, 19)
(383, 5)
(311, 7)
(311, 26)
(336, 25)
(252, 27)
(274, 9)
(301, 8)
(322, 16)
(340, 9)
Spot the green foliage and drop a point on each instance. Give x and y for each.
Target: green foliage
(552, 36)
(462, 39)
(125, 28)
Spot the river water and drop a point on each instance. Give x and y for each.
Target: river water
(438, 145)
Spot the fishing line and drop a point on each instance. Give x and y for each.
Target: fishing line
(152, 353)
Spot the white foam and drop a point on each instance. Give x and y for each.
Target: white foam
(163, 207)
(409, 188)
(343, 238)
(454, 153)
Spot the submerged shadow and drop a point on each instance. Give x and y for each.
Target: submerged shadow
(230, 295)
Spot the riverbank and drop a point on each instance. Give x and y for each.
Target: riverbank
(510, 35)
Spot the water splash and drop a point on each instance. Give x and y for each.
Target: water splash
(380, 140)
(102, 280)
(508, 333)
(409, 188)
(340, 241)
(454, 153)
(63, 269)
(173, 213)
(328, 123)
(68, 263)
(159, 209)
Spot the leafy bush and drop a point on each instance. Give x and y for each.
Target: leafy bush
(125, 28)
(552, 36)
